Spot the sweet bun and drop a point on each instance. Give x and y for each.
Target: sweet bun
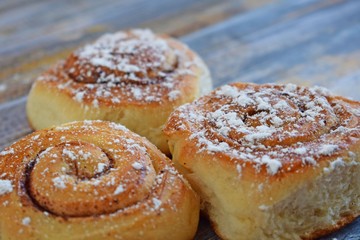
(270, 161)
(92, 180)
(133, 77)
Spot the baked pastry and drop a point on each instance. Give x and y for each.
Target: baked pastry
(134, 77)
(92, 180)
(271, 161)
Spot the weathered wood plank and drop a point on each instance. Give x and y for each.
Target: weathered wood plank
(314, 42)
(307, 42)
(35, 34)
(13, 122)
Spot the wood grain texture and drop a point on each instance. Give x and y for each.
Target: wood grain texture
(35, 34)
(305, 42)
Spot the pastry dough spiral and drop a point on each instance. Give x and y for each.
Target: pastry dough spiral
(270, 161)
(133, 77)
(92, 180)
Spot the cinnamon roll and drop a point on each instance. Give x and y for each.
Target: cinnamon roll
(134, 77)
(271, 161)
(92, 180)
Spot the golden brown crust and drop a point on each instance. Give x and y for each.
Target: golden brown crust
(135, 83)
(134, 70)
(238, 123)
(253, 151)
(92, 180)
(322, 232)
(312, 236)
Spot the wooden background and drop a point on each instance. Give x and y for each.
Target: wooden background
(306, 42)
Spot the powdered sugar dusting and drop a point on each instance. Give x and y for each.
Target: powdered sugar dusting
(79, 96)
(119, 189)
(26, 221)
(6, 152)
(131, 66)
(69, 154)
(101, 53)
(5, 187)
(118, 126)
(101, 167)
(157, 203)
(59, 182)
(228, 91)
(272, 165)
(93, 172)
(268, 125)
(328, 149)
(174, 94)
(300, 150)
(137, 165)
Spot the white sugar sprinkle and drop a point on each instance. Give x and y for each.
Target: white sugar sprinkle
(5, 187)
(136, 92)
(228, 91)
(257, 136)
(174, 94)
(69, 153)
(281, 105)
(5, 152)
(117, 126)
(301, 150)
(101, 167)
(26, 221)
(273, 165)
(115, 100)
(290, 87)
(263, 208)
(310, 160)
(119, 189)
(79, 96)
(35, 137)
(277, 121)
(137, 165)
(243, 100)
(262, 104)
(59, 182)
(327, 149)
(157, 203)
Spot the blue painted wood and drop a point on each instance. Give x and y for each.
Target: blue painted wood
(34, 34)
(349, 232)
(307, 42)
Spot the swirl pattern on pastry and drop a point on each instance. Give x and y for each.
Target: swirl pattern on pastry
(270, 127)
(269, 141)
(92, 180)
(132, 77)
